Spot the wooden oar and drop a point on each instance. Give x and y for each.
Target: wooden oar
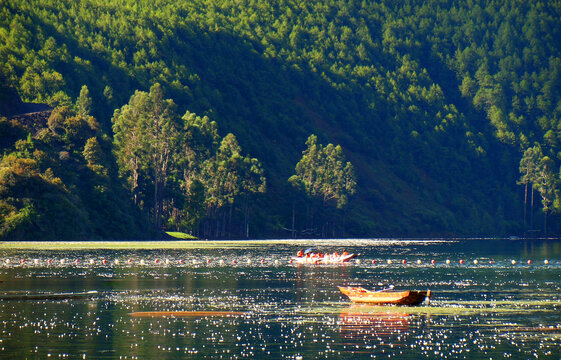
(185, 313)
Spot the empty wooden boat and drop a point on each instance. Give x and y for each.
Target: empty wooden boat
(362, 295)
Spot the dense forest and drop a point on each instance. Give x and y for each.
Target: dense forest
(281, 118)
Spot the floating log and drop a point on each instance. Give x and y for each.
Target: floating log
(185, 313)
(538, 329)
(49, 296)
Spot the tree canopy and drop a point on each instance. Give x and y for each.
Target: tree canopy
(157, 151)
(324, 173)
(424, 97)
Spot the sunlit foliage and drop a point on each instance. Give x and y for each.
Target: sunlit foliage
(428, 96)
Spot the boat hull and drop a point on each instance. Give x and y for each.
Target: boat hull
(361, 295)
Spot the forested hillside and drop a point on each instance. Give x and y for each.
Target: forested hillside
(448, 111)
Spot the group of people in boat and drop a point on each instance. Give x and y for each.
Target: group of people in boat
(310, 254)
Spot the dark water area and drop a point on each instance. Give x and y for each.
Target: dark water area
(488, 302)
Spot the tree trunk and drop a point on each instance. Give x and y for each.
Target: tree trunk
(217, 234)
(246, 219)
(525, 202)
(230, 221)
(223, 232)
(532, 210)
(309, 216)
(343, 233)
(247, 222)
(293, 219)
(156, 203)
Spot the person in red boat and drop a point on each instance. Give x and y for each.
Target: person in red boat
(300, 253)
(345, 253)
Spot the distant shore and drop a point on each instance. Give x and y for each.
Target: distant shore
(224, 244)
(190, 244)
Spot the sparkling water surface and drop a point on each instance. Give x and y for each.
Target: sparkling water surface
(491, 299)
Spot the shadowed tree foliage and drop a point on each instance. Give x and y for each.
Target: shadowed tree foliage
(424, 96)
(57, 182)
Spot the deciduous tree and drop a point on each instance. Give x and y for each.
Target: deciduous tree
(546, 183)
(146, 135)
(324, 174)
(529, 171)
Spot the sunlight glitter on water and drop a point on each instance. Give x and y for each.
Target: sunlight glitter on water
(287, 311)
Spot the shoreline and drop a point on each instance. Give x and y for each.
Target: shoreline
(209, 244)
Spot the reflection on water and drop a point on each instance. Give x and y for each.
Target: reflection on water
(272, 309)
(357, 325)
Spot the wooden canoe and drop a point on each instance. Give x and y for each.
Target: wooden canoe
(362, 295)
(49, 296)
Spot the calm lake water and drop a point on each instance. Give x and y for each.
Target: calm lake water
(276, 310)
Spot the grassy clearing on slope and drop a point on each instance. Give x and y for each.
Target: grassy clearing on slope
(181, 235)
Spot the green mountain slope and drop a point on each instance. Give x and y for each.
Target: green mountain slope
(433, 102)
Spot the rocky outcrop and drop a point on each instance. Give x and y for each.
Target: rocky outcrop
(11, 104)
